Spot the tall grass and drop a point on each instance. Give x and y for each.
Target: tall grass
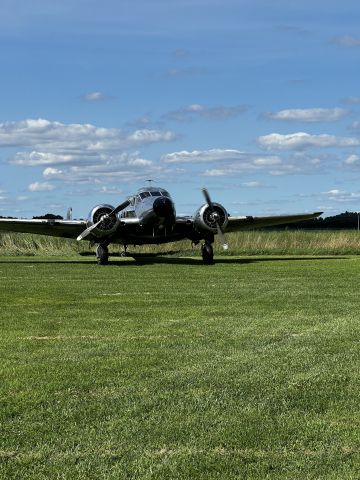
(243, 243)
(28, 244)
(293, 242)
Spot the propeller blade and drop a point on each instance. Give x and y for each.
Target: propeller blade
(220, 232)
(208, 199)
(120, 207)
(116, 210)
(86, 232)
(219, 229)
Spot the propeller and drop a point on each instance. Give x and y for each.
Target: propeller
(215, 217)
(116, 210)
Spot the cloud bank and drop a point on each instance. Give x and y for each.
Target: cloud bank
(78, 152)
(308, 115)
(302, 141)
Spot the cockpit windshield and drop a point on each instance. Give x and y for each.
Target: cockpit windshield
(144, 194)
(152, 193)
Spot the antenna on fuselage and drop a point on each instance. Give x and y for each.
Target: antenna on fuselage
(149, 180)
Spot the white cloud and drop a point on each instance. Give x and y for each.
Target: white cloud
(81, 153)
(42, 158)
(196, 110)
(68, 138)
(150, 136)
(355, 126)
(352, 159)
(301, 141)
(199, 156)
(51, 171)
(229, 162)
(216, 172)
(145, 121)
(308, 114)
(341, 196)
(252, 184)
(347, 41)
(351, 100)
(55, 143)
(290, 169)
(267, 161)
(123, 167)
(110, 190)
(195, 107)
(334, 193)
(40, 187)
(186, 72)
(140, 162)
(95, 97)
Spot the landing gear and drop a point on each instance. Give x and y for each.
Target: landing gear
(124, 253)
(207, 253)
(102, 254)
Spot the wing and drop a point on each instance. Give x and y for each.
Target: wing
(248, 223)
(55, 228)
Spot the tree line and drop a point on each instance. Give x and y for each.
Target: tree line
(343, 221)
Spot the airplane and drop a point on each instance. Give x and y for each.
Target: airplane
(149, 217)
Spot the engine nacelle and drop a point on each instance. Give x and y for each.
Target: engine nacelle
(205, 219)
(108, 225)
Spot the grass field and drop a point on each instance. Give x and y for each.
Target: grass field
(163, 368)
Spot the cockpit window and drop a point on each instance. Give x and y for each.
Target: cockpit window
(154, 193)
(144, 194)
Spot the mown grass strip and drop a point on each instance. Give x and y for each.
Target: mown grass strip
(245, 369)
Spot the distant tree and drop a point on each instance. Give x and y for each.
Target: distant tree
(48, 216)
(343, 221)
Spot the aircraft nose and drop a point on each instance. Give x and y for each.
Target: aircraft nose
(163, 207)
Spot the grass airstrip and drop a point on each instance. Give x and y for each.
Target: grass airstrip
(162, 368)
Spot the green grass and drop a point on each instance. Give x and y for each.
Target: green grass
(163, 368)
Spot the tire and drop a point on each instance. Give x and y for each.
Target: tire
(207, 253)
(102, 255)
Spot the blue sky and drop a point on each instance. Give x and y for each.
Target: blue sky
(257, 100)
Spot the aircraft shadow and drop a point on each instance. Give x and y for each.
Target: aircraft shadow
(155, 258)
(146, 260)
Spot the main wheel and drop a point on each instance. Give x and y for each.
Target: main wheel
(102, 255)
(207, 253)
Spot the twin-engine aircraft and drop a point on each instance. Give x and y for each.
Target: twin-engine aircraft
(149, 217)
